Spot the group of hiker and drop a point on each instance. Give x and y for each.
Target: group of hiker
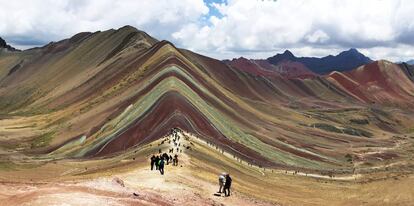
(160, 160)
(225, 184)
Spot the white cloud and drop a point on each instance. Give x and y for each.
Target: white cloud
(317, 37)
(395, 53)
(310, 27)
(251, 28)
(46, 20)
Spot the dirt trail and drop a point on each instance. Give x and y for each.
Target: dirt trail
(178, 186)
(193, 182)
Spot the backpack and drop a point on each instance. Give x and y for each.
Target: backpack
(221, 179)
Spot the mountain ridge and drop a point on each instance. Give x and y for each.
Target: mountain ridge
(4, 45)
(290, 66)
(117, 90)
(411, 62)
(344, 61)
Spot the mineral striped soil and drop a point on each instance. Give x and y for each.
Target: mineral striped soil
(80, 116)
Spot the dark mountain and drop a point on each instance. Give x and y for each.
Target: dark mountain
(3, 44)
(344, 61)
(411, 62)
(261, 67)
(285, 56)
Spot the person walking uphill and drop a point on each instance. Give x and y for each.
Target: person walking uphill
(156, 161)
(175, 160)
(227, 185)
(152, 162)
(221, 181)
(161, 165)
(166, 157)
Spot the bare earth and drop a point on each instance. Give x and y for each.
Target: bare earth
(193, 182)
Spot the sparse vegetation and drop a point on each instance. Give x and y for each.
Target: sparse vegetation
(357, 132)
(359, 121)
(349, 157)
(7, 166)
(327, 127)
(345, 130)
(42, 140)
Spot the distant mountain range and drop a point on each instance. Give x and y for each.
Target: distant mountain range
(289, 66)
(411, 62)
(4, 45)
(344, 61)
(262, 67)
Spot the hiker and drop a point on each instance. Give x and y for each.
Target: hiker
(152, 162)
(175, 161)
(166, 157)
(161, 165)
(171, 158)
(157, 159)
(227, 185)
(222, 178)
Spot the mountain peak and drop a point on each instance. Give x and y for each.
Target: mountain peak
(128, 27)
(285, 56)
(351, 51)
(140, 36)
(344, 61)
(288, 53)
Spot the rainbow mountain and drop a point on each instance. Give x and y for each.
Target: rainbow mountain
(98, 95)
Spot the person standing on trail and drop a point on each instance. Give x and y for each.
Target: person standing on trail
(161, 165)
(227, 185)
(175, 161)
(156, 160)
(152, 162)
(222, 178)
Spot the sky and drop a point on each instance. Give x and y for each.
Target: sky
(225, 29)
